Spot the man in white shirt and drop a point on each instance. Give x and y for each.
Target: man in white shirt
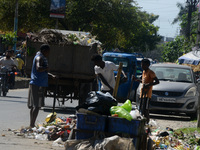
(105, 71)
(9, 63)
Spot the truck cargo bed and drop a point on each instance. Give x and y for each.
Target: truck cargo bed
(68, 61)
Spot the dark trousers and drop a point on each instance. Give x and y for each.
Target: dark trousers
(144, 107)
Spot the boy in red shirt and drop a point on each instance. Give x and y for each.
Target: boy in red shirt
(148, 80)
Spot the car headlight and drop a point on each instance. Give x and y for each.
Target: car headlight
(191, 92)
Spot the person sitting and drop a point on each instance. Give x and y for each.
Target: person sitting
(9, 64)
(20, 65)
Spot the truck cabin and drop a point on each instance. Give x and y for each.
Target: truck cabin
(128, 60)
(129, 67)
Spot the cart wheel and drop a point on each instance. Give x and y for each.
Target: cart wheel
(85, 88)
(0, 89)
(4, 93)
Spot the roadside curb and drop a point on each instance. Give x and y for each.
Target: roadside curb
(22, 83)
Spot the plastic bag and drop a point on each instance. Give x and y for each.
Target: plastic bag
(121, 112)
(127, 105)
(99, 102)
(51, 117)
(135, 114)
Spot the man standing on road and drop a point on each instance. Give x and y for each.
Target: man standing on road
(105, 71)
(39, 80)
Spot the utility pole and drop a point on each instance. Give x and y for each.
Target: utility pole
(198, 29)
(189, 18)
(197, 45)
(191, 8)
(16, 22)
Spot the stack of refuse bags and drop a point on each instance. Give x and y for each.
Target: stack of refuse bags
(57, 131)
(125, 111)
(101, 103)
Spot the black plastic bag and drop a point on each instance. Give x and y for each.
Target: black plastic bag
(99, 102)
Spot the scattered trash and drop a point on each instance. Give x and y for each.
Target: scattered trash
(57, 130)
(169, 139)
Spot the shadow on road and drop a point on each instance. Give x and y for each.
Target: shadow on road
(16, 97)
(13, 101)
(60, 110)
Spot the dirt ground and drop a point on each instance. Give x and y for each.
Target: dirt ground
(172, 121)
(10, 141)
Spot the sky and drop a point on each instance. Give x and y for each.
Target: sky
(167, 11)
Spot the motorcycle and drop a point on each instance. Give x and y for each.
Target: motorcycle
(6, 82)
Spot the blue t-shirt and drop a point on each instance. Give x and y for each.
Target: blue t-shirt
(39, 78)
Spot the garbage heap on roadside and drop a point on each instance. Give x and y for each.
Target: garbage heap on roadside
(103, 123)
(171, 139)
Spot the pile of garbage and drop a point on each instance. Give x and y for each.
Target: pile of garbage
(57, 131)
(170, 139)
(63, 37)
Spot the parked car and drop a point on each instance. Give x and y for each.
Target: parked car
(177, 91)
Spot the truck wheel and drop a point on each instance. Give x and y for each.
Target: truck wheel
(0, 89)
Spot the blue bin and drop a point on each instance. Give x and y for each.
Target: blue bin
(121, 125)
(134, 128)
(91, 123)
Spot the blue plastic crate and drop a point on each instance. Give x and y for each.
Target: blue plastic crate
(121, 125)
(89, 122)
(83, 135)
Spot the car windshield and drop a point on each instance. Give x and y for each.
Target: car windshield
(117, 60)
(173, 74)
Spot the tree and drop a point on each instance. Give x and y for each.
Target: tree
(187, 16)
(116, 23)
(9, 39)
(174, 49)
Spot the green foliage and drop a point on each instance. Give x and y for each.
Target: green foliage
(174, 49)
(9, 39)
(116, 23)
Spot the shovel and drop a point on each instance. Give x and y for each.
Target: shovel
(52, 116)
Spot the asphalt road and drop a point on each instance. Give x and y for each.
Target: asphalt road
(15, 113)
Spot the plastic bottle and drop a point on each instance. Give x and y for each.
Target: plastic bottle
(157, 143)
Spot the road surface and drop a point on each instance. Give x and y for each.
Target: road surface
(15, 114)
